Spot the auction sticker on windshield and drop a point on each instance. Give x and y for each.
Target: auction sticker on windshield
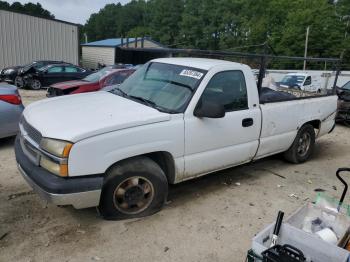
(191, 73)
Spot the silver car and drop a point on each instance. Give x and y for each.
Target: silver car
(11, 109)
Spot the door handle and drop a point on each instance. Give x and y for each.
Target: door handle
(247, 122)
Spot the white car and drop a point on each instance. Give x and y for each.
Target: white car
(301, 81)
(174, 119)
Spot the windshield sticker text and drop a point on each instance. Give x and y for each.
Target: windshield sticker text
(191, 73)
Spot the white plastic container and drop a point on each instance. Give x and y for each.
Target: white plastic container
(314, 248)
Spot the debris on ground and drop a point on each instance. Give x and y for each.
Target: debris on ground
(16, 195)
(166, 249)
(309, 181)
(279, 186)
(319, 190)
(237, 184)
(2, 236)
(334, 187)
(273, 173)
(251, 204)
(294, 196)
(96, 258)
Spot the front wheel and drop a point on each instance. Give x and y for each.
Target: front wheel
(19, 82)
(347, 120)
(36, 84)
(134, 188)
(302, 146)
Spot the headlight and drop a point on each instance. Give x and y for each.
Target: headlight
(53, 167)
(9, 71)
(55, 147)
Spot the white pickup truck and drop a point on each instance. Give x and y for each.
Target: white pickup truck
(174, 119)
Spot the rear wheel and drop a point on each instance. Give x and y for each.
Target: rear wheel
(302, 146)
(134, 188)
(36, 84)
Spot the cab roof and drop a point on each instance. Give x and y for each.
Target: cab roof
(200, 63)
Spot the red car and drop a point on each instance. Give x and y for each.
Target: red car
(107, 76)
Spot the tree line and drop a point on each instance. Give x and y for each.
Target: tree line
(240, 25)
(28, 8)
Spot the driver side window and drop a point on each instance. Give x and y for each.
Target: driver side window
(307, 81)
(229, 89)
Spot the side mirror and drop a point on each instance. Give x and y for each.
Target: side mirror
(209, 110)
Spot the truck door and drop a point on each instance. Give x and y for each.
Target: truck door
(216, 143)
(307, 84)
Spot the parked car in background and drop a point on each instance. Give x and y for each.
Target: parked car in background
(301, 81)
(14, 74)
(30, 69)
(93, 82)
(343, 93)
(11, 108)
(51, 74)
(9, 74)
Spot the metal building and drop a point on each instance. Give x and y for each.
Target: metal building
(25, 38)
(109, 51)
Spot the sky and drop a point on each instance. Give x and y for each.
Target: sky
(75, 11)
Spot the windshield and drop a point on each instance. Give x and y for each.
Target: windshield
(346, 86)
(166, 87)
(292, 80)
(95, 77)
(38, 65)
(28, 66)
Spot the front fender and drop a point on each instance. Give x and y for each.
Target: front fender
(96, 154)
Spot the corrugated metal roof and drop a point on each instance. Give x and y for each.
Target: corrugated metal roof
(112, 42)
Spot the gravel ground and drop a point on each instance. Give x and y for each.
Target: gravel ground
(212, 218)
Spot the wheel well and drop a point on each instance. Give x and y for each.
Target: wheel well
(166, 163)
(163, 159)
(315, 123)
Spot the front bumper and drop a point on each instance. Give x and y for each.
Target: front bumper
(80, 192)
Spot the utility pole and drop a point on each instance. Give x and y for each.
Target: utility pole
(86, 37)
(306, 43)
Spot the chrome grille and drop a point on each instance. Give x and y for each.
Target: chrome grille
(34, 134)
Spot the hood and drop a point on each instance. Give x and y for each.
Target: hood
(70, 84)
(76, 117)
(14, 68)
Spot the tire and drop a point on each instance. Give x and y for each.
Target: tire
(36, 84)
(134, 188)
(347, 120)
(303, 145)
(19, 82)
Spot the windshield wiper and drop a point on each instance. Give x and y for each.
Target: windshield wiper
(120, 91)
(152, 104)
(144, 100)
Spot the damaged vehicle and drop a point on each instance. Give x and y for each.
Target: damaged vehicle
(343, 115)
(108, 76)
(15, 74)
(173, 120)
(54, 73)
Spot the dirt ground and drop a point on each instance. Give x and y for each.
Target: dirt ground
(212, 218)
